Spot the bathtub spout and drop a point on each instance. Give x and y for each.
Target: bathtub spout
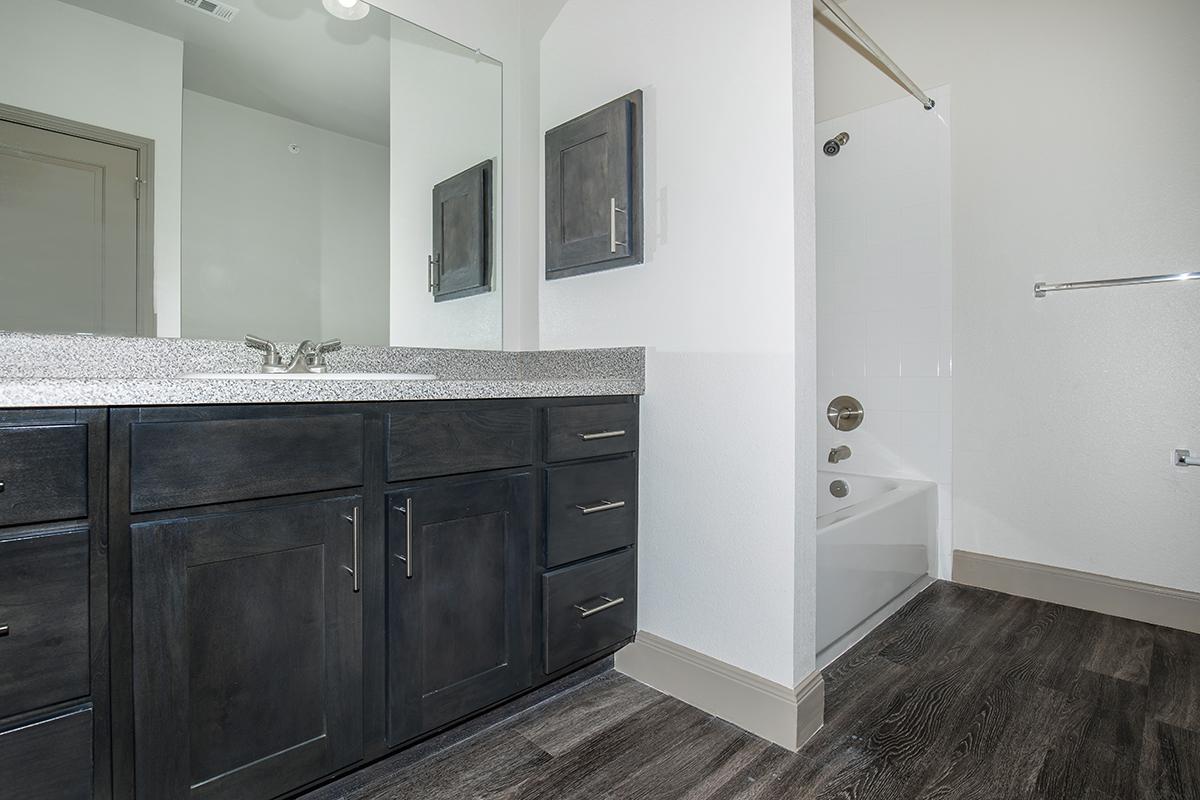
(839, 453)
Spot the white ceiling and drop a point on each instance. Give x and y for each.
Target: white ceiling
(286, 57)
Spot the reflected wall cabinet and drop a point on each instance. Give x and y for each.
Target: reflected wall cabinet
(461, 264)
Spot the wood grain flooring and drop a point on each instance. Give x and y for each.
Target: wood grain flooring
(962, 694)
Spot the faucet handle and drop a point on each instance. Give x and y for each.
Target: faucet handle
(271, 357)
(316, 354)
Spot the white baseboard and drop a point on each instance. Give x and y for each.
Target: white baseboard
(784, 715)
(1158, 605)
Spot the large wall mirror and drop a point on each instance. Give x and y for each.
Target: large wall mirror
(296, 169)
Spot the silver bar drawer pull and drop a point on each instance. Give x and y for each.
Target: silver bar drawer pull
(603, 505)
(607, 603)
(598, 435)
(3, 631)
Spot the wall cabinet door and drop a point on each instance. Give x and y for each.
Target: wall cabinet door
(594, 190)
(462, 235)
(247, 654)
(460, 580)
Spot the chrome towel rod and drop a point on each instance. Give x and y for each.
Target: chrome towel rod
(1040, 289)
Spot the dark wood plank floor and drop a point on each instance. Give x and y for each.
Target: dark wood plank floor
(964, 693)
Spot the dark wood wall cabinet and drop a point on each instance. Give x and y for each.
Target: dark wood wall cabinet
(248, 601)
(594, 216)
(463, 240)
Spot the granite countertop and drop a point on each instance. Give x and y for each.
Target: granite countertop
(60, 371)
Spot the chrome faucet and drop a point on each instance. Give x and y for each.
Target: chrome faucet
(309, 357)
(839, 453)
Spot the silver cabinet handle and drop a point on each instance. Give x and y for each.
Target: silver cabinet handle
(434, 261)
(608, 602)
(1, 486)
(592, 437)
(603, 505)
(613, 244)
(356, 520)
(408, 523)
(3, 630)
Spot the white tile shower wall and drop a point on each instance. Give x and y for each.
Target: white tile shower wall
(884, 294)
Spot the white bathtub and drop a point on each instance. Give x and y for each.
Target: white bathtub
(872, 545)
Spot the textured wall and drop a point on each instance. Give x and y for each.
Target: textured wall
(715, 302)
(1074, 158)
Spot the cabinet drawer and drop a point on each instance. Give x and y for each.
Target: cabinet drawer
(43, 620)
(425, 444)
(590, 508)
(586, 431)
(48, 760)
(589, 607)
(199, 462)
(43, 473)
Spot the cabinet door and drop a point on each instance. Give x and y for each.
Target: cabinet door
(460, 580)
(594, 190)
(462, 234)
(247, 650)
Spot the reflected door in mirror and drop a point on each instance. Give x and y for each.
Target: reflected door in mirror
(69, 224)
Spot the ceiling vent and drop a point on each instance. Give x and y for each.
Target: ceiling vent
(221, 11)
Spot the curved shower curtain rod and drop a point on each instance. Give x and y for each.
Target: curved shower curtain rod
(857, 32)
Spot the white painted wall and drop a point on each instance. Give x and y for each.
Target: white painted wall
(446, 117)
(301, 256)
(716, 303)
(804, 333)
(1074, 158)
(884, 304)
(61, 60)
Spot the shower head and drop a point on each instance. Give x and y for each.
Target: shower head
(834, 145)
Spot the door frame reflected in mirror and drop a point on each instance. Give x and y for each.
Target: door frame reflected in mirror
(144, 189)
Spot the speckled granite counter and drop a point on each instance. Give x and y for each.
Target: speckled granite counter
(49, 371)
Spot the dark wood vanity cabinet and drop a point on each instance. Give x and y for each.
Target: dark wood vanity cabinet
(53, 623)
(247, 649)
(459, 600)
(246, 601)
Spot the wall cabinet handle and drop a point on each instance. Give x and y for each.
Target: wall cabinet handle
(1, 486)
(605, 604)
(408, 526)
(356, 520)
(434, 261)
(592, 437)
(613, 244)
(3, 630)
(603, 505)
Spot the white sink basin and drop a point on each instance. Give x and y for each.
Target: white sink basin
(306, 376)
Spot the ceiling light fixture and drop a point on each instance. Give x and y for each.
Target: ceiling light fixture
(347, 9)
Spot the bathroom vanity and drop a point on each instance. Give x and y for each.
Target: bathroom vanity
(243, 600)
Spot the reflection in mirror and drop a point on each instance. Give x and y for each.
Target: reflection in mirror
(298, 169)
